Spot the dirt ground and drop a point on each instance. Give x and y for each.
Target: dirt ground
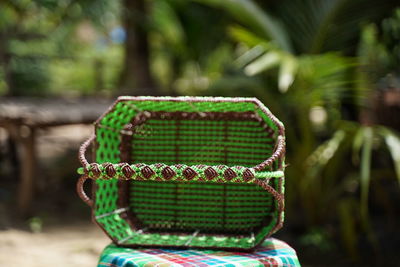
(78, 245)
(58, 230)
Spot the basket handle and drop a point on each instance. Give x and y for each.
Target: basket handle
(83, 148)
(258, 169)
(278, 153)
(81, 191)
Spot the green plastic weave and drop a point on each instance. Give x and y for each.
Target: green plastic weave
(188, 172)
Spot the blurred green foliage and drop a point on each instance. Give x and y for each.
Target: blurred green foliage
(35, 224)
(311, 66)
(39, 35)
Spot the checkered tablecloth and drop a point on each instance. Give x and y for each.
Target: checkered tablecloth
(273, 252)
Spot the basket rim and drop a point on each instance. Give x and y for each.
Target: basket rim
(260, 174)
(254, 100)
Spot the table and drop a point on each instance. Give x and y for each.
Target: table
(21, 117)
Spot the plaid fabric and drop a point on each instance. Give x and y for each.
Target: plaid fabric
(273, 252)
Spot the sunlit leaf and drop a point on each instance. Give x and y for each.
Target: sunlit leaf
(287, 73)
(323, 154)
(365, 169)
(327, 150)
(249, 56)
(265, 62)
(357, 143)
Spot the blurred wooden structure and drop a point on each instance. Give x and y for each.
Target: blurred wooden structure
(21, 117)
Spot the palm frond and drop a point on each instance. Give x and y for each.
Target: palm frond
(251, 15)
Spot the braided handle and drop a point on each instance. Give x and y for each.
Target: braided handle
(83, 148)
(278, 154)
(108, 170)
(81, 191)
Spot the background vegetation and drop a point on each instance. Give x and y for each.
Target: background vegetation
(328, 69)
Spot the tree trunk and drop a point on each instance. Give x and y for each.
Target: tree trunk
(136, 78)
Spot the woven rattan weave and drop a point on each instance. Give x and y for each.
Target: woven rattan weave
(186, 172)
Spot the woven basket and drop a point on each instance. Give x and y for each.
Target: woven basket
(186, 172)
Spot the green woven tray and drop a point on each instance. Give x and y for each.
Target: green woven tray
(186, 172)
